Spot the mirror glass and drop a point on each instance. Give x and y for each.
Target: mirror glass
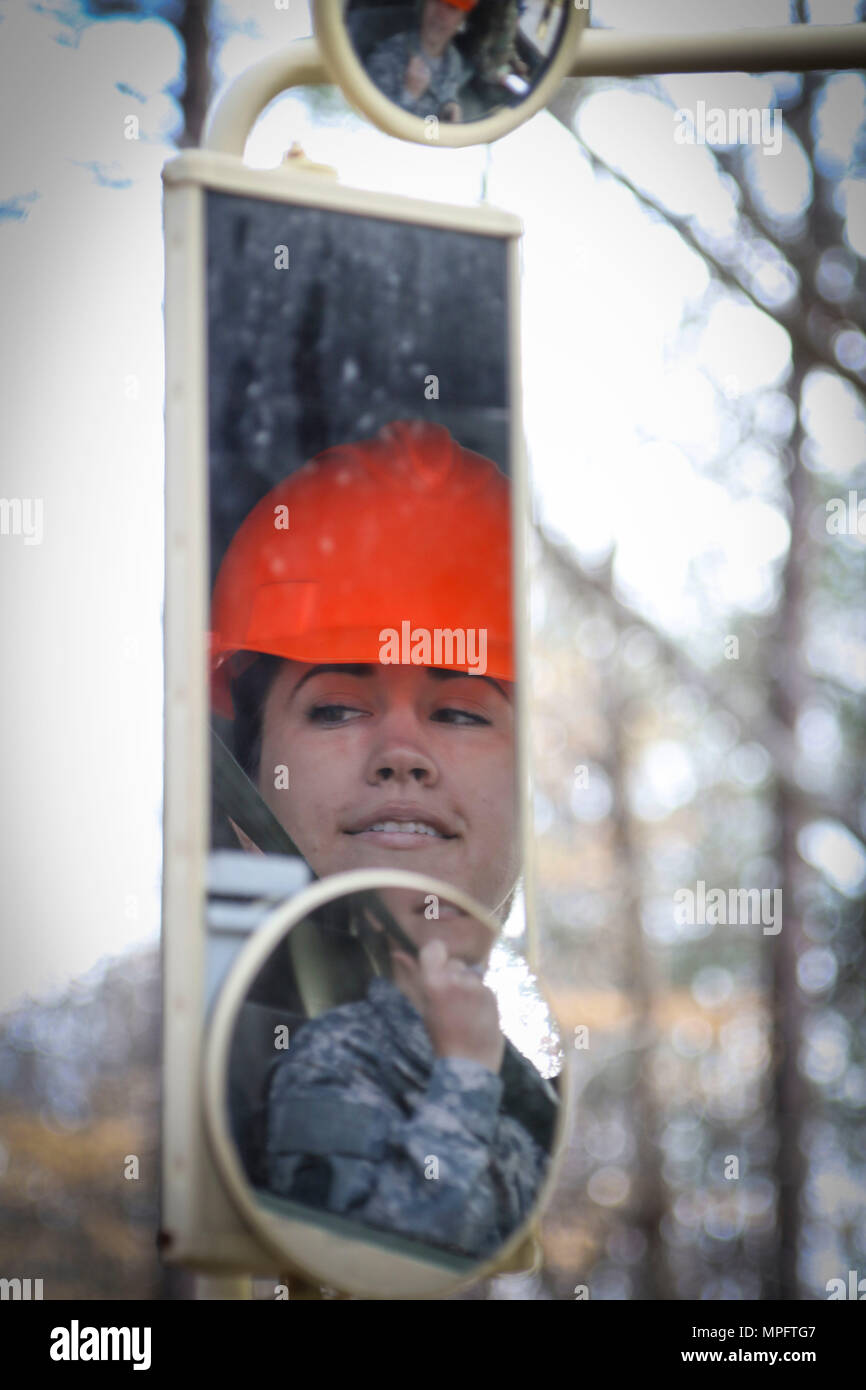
(361, 644)
(392, 1079)
(455, 60)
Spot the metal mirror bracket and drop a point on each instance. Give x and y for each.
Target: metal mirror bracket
(601, 53)
(798, 48)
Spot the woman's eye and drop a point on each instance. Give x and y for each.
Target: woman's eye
(458, 716)
(333, 714)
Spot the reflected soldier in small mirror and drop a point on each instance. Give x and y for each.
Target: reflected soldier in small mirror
(457, 60)
(420, 69)
(398, 1112)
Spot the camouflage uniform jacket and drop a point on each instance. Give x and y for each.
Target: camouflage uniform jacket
(387, 66)
(361, 1105)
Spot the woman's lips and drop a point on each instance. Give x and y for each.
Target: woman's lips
(401, 825)
(393, 835)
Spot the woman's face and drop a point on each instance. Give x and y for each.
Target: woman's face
(405, 767)
(440, 22)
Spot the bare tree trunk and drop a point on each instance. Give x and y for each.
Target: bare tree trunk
(650, 1204)
(787, 690)
(193, 30)
(785, 695)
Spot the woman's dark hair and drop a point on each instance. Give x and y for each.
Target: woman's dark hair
(249, 690)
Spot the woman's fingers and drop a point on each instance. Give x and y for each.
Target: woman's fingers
(403, 958)
(433, 956)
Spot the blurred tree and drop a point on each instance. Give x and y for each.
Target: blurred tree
(190, 18)
(821, 307)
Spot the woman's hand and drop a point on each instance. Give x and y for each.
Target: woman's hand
(452, 111)
(416, 79)
(459, 1011)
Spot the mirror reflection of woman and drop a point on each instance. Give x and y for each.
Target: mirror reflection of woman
(402, 764)
(421, 70)
(372, 762)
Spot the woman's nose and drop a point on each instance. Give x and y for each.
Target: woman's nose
(400, 756)
(405, 766)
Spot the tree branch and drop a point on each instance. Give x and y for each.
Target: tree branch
(766, 730)
(795, 321)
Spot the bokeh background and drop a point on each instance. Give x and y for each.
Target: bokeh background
(694, 366)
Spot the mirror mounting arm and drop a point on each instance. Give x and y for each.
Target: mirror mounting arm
(798, 48)
(239, 106)
(602, 53)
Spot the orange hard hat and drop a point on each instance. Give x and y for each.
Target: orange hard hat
(462, 4)
(406, 528)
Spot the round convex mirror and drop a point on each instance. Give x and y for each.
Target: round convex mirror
(449, 72)
(377, 1123)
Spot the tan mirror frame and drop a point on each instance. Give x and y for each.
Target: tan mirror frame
(350, 1263)
(348, 71)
